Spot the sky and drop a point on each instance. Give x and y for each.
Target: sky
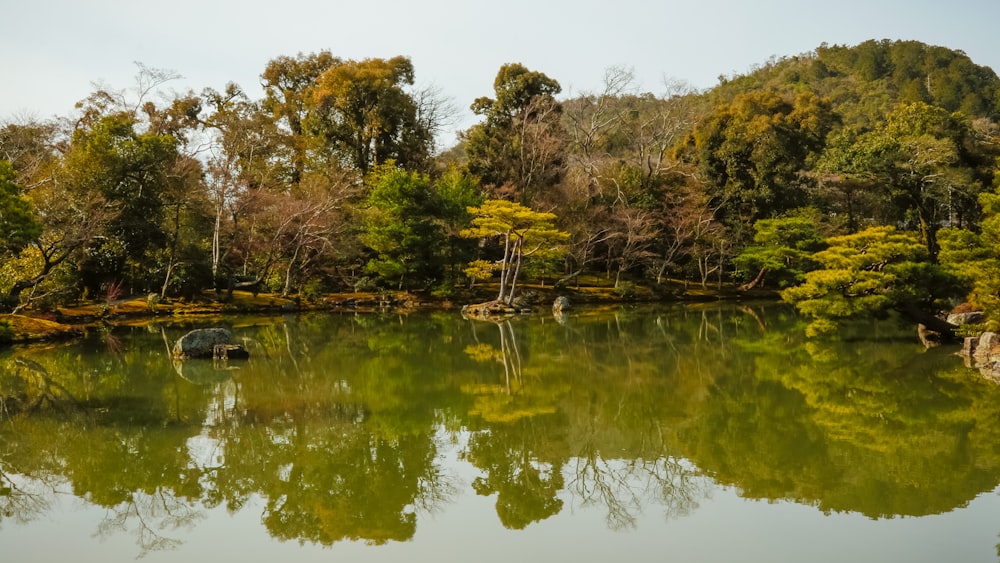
(53, 52)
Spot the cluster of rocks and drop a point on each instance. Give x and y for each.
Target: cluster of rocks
(980, 352)
(983, 353)
(500, 309)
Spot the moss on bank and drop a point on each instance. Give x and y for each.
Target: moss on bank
(16, 329)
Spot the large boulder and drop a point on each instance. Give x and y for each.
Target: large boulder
(972, 317)
(988, 344)
(201, 343)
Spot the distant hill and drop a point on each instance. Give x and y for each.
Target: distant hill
(865, 81)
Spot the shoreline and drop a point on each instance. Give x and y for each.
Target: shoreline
(71, 321)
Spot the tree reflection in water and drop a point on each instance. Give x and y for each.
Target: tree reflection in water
(346, 427)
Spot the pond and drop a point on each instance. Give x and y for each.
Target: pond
(684, 433)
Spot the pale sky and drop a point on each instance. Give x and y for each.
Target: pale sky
(54, 50)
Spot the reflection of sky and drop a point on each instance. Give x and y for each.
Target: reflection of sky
(205, 450)
(723, 527)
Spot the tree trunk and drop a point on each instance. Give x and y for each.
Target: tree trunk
(930, 321)
(756, 281)
(504, 267)
(288, 273)
(166, 279)
(515, 270)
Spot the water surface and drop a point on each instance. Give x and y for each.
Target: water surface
(687, 433)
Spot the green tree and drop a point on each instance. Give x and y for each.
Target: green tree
(400, 227)
(131, 171)
(456, 191)
(752, 152)
(783, 248)
(920, 162)
(18, 225)
(518, 149)
(976, 256)
(523, 233)
(871, 272)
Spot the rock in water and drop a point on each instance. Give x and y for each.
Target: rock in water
(201, 343)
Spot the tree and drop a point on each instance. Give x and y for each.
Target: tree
(752, 152)
(249, 155)
(18, 225)
(363, 111)
(131, 171)
(689, 218)
(71, 219)
(456, 191)
(783, 247)
(871, 272)
(920, 163)
(400, 227)
(523, 232)
(517, 150)
(288, 84)
(975, 257)
(632, 234)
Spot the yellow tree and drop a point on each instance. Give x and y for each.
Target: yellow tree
(367, 112)
(523, 232)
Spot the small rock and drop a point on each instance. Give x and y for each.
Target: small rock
(560, 304)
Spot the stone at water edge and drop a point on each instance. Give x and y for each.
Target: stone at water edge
(201, 343)
(560, 304)
(970, 318)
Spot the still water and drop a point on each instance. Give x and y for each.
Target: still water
(681, 433)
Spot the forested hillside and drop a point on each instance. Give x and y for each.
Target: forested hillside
(333, 181)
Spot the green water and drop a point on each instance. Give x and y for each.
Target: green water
(682, 433)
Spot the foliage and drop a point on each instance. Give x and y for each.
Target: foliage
(455, 192)
(868, 79)
(522, 232)
(131, 171)
(174, 192)
(517, 149)
(983, 266)
(919, 161)
(868, 273)
(752, 151)
(18, 225)
(400, 227)
(783, 248)
(362, 110)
